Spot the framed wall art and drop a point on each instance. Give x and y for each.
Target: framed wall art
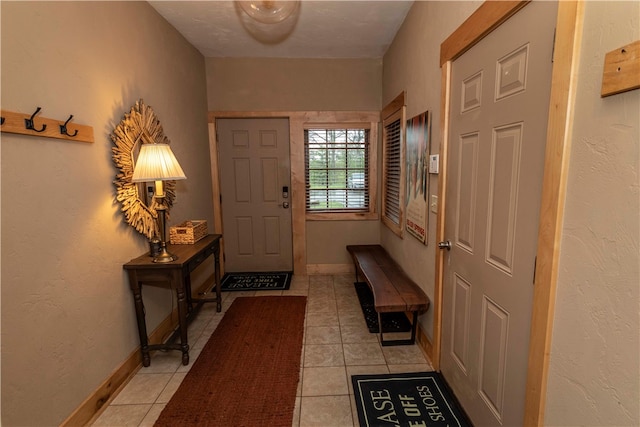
(417, 140)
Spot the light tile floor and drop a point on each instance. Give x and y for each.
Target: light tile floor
(337, 345)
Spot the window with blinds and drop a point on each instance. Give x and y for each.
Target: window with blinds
(337, 169)
(392, 170)
(393, 129)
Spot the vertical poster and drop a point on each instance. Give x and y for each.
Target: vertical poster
(417, 175)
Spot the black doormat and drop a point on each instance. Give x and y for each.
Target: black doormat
(415, 399)
(391, 322)
(271, 281)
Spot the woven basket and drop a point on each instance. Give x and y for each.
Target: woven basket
(188, 232)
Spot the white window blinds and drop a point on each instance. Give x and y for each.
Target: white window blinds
(337, 169)
(392, 170)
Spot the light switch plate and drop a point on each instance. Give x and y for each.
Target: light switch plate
(434, 160)
(434, 204)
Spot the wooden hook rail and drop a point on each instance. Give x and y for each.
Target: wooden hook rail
(32, 124)
(621, 70)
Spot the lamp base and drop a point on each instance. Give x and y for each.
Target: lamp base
(164, 256)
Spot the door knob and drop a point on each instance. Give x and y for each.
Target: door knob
(285, 205)
(445, 245)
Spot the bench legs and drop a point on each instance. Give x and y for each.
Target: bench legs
(411, 341)
(414, 324)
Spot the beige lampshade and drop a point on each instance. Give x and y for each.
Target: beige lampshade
(156, 162)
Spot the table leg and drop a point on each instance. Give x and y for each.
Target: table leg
(182, 320)
(136, 289)
(187, 284)
(216, 258)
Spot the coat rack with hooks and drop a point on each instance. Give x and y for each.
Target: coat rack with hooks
(32, 124)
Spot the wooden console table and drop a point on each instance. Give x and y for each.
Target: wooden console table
(176, 275)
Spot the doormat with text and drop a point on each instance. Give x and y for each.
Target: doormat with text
(269, 281)
(391, 322)
(414, 399)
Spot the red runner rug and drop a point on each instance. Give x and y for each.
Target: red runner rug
(247, 374)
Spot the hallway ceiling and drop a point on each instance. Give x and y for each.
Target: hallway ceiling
(319, 29)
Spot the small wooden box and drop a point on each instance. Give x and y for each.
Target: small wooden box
(188, 232)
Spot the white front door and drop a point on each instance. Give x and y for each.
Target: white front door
(499, 108)
(256, 195)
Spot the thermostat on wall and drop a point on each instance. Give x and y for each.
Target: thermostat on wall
(434, 160)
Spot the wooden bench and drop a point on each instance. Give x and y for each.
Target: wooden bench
(393, 291)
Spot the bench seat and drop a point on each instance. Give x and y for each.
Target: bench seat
(393, 291)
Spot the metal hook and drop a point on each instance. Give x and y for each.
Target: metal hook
(28, 123)
(63, 128)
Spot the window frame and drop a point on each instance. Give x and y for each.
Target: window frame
(393, 112)
(372, 162)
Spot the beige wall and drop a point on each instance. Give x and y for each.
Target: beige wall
(263, 84)
(594, 377)
(412, 64)
(67, 312)
(303, 85)
(327, 240)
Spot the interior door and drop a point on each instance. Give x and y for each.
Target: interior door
(499, 107)
(255, 190)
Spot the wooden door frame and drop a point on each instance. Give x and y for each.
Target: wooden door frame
(489, 16)
(297, 121)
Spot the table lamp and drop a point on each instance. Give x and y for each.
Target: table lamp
(157, 163)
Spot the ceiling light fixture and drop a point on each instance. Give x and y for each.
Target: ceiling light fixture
(269, 11)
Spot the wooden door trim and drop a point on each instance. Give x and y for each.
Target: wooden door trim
(564, 79)
(215, 189)
(297, 120)
(563, 87)
(489, 16)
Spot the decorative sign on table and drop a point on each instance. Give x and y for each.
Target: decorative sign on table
(417, 176)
